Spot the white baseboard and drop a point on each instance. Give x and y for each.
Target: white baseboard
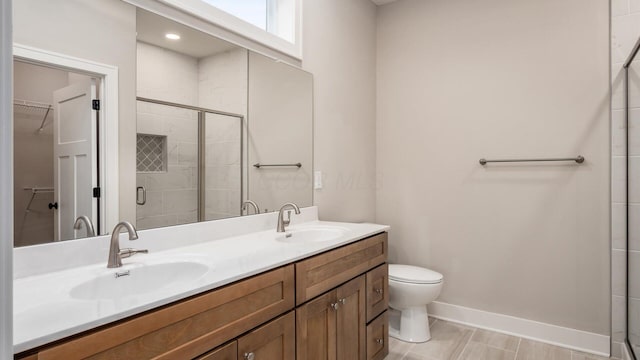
(528, 329)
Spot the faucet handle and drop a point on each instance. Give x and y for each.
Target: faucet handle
(128, 252)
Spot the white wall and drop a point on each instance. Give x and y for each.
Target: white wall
(625, 31)
(339, 49)
(459, 80)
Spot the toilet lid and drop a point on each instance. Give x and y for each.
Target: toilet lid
(413, 274)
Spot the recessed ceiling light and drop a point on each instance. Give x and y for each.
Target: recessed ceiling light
(172, 36)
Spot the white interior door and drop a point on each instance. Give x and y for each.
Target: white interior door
(74, 157)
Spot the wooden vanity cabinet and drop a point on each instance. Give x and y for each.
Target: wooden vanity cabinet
(275, 340)
(186, 329)
(331, 306)
(333, 325)
(225, 352)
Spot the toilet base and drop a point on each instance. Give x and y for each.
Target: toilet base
(413, 325)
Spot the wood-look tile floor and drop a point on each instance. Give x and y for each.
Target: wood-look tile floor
(450, 341)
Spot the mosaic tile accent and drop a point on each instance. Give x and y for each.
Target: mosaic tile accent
(151, 153)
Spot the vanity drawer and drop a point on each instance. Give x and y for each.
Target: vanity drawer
(191, 327)
(224, 352)
(378, 338)
(274, 341)
(377, 291)
(323, 272)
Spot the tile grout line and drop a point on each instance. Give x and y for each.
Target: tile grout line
(518, 348)
(467, 344)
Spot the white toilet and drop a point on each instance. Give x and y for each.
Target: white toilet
(411, 288)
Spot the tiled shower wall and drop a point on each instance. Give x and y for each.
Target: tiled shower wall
(172, 195)
(625, 30)
(216, 82)
(222, 85)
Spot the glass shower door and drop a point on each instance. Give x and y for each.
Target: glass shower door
(166, 165)
(222, 166)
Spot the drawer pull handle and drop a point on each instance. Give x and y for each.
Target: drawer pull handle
(335, 306)
(342, 301)
(379, 291)
(380, 341)
(249, 356)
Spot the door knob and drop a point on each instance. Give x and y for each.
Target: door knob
(335, 305)
(249, 356)
(342, 301)
(378, 291)
(380, 341)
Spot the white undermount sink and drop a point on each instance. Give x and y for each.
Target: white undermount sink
(139, 280)
(311, 234)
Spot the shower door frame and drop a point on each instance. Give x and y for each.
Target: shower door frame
(627, 64)
(201, 147)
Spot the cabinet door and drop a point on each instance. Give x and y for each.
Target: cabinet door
(377, 291)
(351, 321)
(224, 352)
(316, 329)
(378, 338)
(273, 341)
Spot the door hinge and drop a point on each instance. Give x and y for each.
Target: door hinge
(95, 104)
(96, 192)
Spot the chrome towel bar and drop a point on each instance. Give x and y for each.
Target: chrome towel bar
(579, 159)
(258, 165)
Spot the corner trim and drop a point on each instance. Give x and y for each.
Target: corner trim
(547, 333)
(6, 180)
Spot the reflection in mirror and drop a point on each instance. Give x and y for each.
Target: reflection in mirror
(202, 122)
(280, 133)
(55, 154)
(192, 92)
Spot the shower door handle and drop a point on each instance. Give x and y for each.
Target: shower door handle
(141, 189)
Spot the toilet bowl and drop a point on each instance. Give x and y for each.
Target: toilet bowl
(411, 288)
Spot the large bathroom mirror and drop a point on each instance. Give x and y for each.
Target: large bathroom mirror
(205, 127)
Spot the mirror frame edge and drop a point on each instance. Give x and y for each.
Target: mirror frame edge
(6, 179)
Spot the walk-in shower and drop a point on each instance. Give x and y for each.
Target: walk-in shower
(188, 164)
(632, 113)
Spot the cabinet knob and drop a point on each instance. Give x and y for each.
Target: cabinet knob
(380, 341)
(249, 356)
(378, 291)
(335, 305)
(342, 301)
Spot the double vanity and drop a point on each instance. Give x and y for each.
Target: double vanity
(229, 289)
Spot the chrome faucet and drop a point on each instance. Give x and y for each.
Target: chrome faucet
(256, 209)
(115, 254)
(87, 224)
(282, 223)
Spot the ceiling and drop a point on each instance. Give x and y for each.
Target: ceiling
(152, 28)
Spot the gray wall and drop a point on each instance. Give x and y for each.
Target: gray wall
(459, 80)
(339, 49)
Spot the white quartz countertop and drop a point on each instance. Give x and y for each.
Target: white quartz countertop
(45, 309)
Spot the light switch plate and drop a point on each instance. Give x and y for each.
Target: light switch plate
(317, 180)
